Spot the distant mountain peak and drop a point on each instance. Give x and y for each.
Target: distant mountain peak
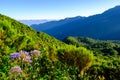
(114, 9)
(118, 6)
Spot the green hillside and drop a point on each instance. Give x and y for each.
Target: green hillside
(26, 54)
(107, 56)
(17, 36)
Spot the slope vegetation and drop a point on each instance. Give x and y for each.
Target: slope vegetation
(26, 54)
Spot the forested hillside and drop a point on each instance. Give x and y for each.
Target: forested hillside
(107, 56)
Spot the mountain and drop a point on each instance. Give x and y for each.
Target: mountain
(30, 22)
(53, 24)
(100, 26)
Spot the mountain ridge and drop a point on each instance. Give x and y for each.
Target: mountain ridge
(99, 26)
(52, 24)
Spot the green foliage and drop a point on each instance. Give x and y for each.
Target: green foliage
(106, 63)
(80, 57)
(98, 46)
(15, 36)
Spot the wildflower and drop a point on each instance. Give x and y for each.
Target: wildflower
(23, 54)
(35, 53)
(25, 57)
(14, 56)
(15, 71)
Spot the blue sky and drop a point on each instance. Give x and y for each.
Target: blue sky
(54, 9)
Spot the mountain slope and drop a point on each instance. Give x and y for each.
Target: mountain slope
(100, 26)
(15, 36)
(53, 24)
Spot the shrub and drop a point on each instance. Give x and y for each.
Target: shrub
(80, 57)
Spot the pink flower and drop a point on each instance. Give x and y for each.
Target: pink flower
(15, 71)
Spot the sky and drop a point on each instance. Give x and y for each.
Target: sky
(54, 9)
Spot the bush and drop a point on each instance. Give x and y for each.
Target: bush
(80, 57)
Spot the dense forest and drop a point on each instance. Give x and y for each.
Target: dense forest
(29, 55)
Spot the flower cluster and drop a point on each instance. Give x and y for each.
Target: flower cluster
(22, 55)
(15, 71)
(24, 58)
